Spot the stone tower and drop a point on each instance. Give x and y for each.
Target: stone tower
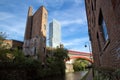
(28, 24)
(35, 34)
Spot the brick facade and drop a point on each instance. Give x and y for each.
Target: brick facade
(105, 42)
(11, 44)
(35, 34)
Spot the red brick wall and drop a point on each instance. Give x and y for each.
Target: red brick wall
(36, 45)
(38, 29)
(106, 53)
(28, 31)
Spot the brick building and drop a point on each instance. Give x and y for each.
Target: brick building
(35, 34)
(104, 30)
(12, 44)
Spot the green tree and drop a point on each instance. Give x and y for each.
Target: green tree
(80, 64)
(2, 38)
(7, 54)
(61, 53)
(55, 61)
(3, 50)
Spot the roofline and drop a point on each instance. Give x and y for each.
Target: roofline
(14, 40)
(39, 9)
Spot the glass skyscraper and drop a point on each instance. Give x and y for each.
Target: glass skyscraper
(54, 34)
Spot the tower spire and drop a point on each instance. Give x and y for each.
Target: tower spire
(28, 30)
(30, 11)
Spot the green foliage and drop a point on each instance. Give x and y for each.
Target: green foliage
(13, 60)
(106, 74)
(7, 55)
(19, 55)
(3, 50)
(80, 64)
(18, 67)
(55, 62)
(2, 37)
(61, 53)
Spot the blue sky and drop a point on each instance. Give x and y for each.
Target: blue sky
(70, 13)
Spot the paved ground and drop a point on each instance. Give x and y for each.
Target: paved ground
(90, 75)
(75, 75)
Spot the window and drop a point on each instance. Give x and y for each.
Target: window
(104, 30)
(36, 36)
(44, 50)
(34, 50)
(90, 35)
(44, 27)
(103, 26)
(45, 15)
(92, 6)
(95, 4)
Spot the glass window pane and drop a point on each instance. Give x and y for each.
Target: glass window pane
(104, 30)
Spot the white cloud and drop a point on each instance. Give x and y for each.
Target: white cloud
(5, 15)
(79, 2)
(14, 26)
(73, 19)
(14, 23)
(73, 15)
(77, 44)
(76, 41)
(69, 22)
(14, 31)
(56, 4)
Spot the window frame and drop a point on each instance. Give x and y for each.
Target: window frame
(105, 35)
(103, 27)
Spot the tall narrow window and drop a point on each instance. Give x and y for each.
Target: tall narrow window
(103, 26)
(34, 50)
(92, 6)
(44, 50)
(95, 4)
(45, 15)
(105, 33)
(44, 27)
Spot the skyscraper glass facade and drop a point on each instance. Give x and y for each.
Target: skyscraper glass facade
(54, 34)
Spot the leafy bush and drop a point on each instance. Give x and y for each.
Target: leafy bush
(55, 60)
(15, 66)
(106, 74)
(80, 64)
